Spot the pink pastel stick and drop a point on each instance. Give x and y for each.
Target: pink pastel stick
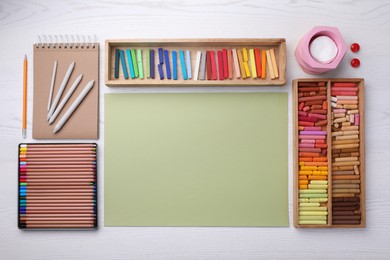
(312, 132)
(307, 141)
(339, 111)
(319, 116)
(306, 145)
(324, 152)
(311, 137)
(301, 113)
(357, 119)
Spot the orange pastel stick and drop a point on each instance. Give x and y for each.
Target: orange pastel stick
(317, 177)
(305, 154)
(305, 159)
(303, 182)
(302, 177)
(316, 163)
(263, 64)
(302, 187)
(320, 159)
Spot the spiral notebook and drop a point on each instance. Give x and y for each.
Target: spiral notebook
(53, 64)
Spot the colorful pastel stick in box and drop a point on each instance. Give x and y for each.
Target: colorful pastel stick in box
(57, 186)
(329, 158)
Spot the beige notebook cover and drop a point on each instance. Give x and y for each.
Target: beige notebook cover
(84, 122)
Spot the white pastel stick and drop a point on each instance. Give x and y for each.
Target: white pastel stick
(65, 99)
(74, 106)
(197, 65)
(60, 90)
(188, 61)
(53, 79)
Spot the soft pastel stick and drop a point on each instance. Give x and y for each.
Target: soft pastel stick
(134, 60)
(152, 69)
(139, 63)
(312, 132)
(344, 84)
(225, 63)
(230, 64)
(167, 64)
(274, 66)
(263, 64)
(245, 57)
(197, 65)
(188, 62)
(220, 65)
(253, 63)
(130, 62)
(147, 63)
(174, 64)
(270, 66)
(213, 66)
(183, 65)
(123, 62)
(241, 62)
(258, 62)
(116, 73)
(202, 66)
(208, 65)
(236, 64)
(160, 56)
(160, 71)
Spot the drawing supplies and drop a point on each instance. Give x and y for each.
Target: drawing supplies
(53, 78)
(139, 64)
(130, 62)
(167, 64)
(274, 66)
(197, 65)
(65, 99)
(160, 56)
(270, 65)
(245, 58)
(70, 59)
(329, 152)
(160, 71)
(188, 63)
(74, 106)
(174, 64)
(53, 199)
(116, 63)
(123, 62)
(61, 90)
(134, 61)
(225, 63)
(147, 63)
(213, 66)
(258, 62)
(202, 66)
(152, 68)
(24, 113)
(183, 65)
(241, 63)
(253, 63)
(230, 64)
(263, 64)
(237, 66)
(220, 66)
(208, 65)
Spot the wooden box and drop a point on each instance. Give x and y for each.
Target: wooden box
(194, 45)
(329, 159)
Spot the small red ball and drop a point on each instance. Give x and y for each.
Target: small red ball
(355, 47)
(355, 63)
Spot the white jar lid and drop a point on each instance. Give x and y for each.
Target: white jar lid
(323, 49)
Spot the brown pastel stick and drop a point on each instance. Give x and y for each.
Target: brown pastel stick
(346, 177)
(346, 222)
(346, 186)
(307, 84)
(343, 213)
(355, 217)
(312, 98)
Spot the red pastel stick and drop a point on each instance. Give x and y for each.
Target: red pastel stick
(258, 62)
(225, 64)
(213, 66)
(344, 84)
(353, 89)
(220, 65)
(208, 65)
(343, 93)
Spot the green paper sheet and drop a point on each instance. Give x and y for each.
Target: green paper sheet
(198, 159)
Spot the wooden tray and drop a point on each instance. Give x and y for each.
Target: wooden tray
(329, 128)
(279, 45)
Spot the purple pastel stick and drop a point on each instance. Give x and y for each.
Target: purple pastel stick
(312, 132)
(311, 137)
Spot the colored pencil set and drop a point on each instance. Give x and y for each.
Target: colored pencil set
(222, 64)
(57, 186)
(329, 155)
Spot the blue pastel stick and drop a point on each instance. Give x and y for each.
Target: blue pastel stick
(116, 63)
(152, 69)
(174, 64)
(167, 65)
(160, 71)
(130, 61)
(160, 56)
(123, 62)
(188, 60)
(183, 65)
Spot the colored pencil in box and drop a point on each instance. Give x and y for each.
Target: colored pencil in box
(220, 66)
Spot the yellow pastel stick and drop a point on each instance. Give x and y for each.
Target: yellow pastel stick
(309, 204)
(313, 195)
(318, 200)
(313, 191)
(318, 182)
(305, 172)
(241, 62)
(318, 186)
(301, 163)
(253, 63)
(304, 200)
(245, 54)
(312, 222)
(312, 217)
(309, 168)
(313, 208)
(313, 213)
(322, 168)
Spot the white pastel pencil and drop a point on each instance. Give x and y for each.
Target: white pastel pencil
(53, 79)
(74, 106)
(65, 99)
(188, 61)
(197, 64)
(60, 90)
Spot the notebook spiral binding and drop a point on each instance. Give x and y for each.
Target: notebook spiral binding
(66, 41)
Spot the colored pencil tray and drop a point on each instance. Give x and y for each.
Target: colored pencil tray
(57, 186)
(329, 159)
(278, 46)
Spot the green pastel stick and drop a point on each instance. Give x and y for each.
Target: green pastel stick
(312, 222)
(312, 217)
(139, 62)
(317, 186)
(313, 195)
(147, 63)
(313, 213)
(312, 191)
(135, 66)
(313, 208)
(318, 182)
(318, 200)
(309, 204)
(303, 200)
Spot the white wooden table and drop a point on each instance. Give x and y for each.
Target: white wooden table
(366, 22)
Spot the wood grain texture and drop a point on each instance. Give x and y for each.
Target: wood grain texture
(366, 22)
